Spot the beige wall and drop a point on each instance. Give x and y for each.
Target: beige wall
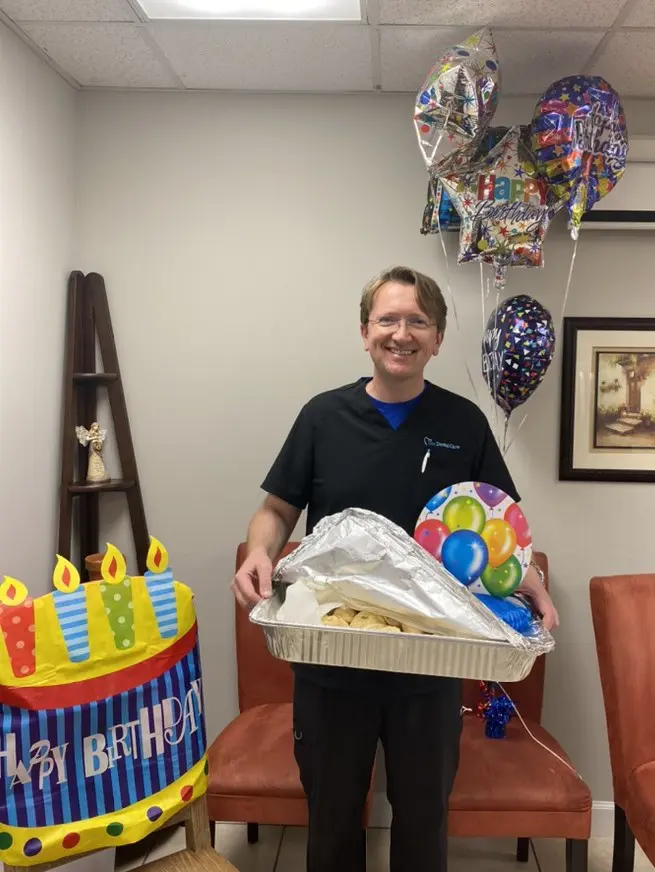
(36, 223)
(235, 235)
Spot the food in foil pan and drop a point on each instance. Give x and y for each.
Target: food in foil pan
(358, 570)
(347, 617)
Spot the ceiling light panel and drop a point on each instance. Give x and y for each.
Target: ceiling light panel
(283, 10)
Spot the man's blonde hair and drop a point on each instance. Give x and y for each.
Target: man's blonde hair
(428, 294)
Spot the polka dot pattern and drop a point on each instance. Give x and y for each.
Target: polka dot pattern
(17, 626)
(70, 840)
(6, 841)
(32, 847)
(117, 600)
(154, 813)
(115, 829)
(186, 793)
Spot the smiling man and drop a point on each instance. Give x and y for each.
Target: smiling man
(385, 443)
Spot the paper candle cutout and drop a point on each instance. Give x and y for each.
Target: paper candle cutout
(161, 588)
(116, 591)
(17, 626)
(70, 604)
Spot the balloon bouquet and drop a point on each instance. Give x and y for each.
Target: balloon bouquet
(499, 188)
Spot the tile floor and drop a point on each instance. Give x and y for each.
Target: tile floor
(283, 850)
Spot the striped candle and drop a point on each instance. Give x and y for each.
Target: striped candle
(69, 598)
(161, 589)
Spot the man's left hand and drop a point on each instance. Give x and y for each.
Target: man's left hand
(532, 586)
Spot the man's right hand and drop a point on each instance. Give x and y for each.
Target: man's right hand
(252, 582)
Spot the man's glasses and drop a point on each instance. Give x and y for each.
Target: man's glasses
(413, 324)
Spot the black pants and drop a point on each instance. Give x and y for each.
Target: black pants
(336, 738)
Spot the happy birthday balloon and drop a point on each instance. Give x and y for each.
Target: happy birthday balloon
(505, 205)
(457, 99)
(517, 348)
(580, 142)
(440, 214)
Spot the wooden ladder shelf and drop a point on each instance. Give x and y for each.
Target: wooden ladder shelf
(88, 316)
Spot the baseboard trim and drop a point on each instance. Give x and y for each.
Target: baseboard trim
(602, 816)
(602, 820)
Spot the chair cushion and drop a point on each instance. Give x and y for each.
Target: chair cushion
(253, 756)
(514, 773)
(640, 808)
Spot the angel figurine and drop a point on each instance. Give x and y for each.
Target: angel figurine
(94, 437)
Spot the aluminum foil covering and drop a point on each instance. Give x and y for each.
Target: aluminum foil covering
(363, 560)
(449, 656)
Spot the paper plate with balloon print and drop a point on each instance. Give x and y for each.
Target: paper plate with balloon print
(479, 534)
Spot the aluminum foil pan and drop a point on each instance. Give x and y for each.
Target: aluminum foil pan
(361, 559)
(449, 656)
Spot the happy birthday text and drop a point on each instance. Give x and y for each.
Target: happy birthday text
(156, 728)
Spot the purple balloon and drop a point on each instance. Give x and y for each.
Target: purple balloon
(492, 496)
(517, 348)
(580, 142)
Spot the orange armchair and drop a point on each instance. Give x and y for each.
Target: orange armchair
(514, 787)
(253, 775)
(623, 612)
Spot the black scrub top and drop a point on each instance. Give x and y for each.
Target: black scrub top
(342, 453)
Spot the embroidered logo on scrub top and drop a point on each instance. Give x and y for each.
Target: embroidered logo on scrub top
(431, 443)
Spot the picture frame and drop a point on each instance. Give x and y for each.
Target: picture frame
(607, 418)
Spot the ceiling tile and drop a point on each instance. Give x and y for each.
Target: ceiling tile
(642, 15)
(509, 13)
(627, 62)
(529, 60)
(109, 55)
(407, 53)
(267, 56)
(68, 10)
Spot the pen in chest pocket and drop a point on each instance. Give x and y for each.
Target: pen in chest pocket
(426, 457)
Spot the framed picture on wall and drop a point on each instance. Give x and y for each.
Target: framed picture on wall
(608, 400)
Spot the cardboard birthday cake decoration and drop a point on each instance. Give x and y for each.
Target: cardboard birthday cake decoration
(102, 733)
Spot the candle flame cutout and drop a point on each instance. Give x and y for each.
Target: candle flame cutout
(12, 592)
(157, 559)
(65, 577)
(113, 567)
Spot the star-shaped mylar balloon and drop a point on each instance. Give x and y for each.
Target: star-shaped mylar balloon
(458, 99)
(505, 205)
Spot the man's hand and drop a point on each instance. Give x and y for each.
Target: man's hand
(532, 586)
(268, 533)
(252, 582)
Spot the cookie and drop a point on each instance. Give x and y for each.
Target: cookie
(345, 613)
(366, 621)
(333, 621)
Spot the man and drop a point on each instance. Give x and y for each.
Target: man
(386, 444)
